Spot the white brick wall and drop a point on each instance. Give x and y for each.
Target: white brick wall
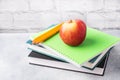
(41, 5)
(72, 15)
(27, 20)
(112, 19)
(6, 20)
(36, 15)
(35, 20)
(96, 20)
(112, 4)
(13, 5)
(79, 5)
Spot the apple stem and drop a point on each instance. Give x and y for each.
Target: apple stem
(70, 21)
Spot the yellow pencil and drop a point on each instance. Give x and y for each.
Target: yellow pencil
(47, 34)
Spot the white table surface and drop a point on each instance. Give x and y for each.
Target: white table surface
(14, 64)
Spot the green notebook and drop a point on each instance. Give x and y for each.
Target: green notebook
(95, 43)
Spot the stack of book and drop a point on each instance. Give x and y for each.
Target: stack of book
(89, 57)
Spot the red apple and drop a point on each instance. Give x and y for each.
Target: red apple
(73, 32)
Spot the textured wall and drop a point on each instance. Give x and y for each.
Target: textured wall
(36, 15)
